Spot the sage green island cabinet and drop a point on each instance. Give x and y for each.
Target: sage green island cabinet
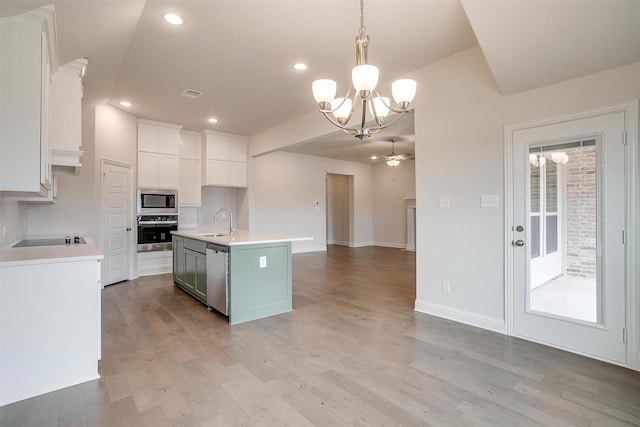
(190, 266)
(258, 271)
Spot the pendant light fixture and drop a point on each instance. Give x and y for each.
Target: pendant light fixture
(364, 78)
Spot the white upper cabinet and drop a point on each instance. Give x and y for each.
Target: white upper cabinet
(158, 146)
(29, 58)
(189, 182)
(224, 159)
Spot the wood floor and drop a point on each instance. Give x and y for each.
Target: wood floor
(352, 353)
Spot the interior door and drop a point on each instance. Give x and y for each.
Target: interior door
(117, 226)
(568, 249)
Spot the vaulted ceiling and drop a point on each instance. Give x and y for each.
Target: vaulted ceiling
(240, 53)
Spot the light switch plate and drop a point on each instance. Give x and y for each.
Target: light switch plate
(443, 202)
(489, 201)
(263, 262)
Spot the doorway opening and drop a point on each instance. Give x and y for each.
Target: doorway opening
(339, 213)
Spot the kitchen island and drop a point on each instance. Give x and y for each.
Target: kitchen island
(50, 312)
(256, 271)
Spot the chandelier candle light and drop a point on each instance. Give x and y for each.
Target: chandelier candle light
(364, 78)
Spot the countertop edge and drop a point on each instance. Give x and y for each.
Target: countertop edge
(242, 237)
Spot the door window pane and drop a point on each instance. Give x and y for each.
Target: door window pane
(551, 186)
(535, 236)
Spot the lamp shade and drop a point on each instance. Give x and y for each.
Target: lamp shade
(324, 90)
(364, 77)
(403, 91)
(393, 162)
(341, 112)
(380, 106)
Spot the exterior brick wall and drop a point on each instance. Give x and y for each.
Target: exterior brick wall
(581, 212)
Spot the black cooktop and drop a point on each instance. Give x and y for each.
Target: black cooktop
(57, 241)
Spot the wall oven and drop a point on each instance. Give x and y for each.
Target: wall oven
(157, 201)
(154, 232)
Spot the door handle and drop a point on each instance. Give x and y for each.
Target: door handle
(128, 228)
(518, 242)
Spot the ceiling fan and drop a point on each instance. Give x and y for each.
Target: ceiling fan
(394, 159)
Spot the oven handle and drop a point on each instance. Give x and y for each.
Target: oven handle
(156, 222)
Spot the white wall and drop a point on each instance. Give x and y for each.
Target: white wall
(13, 223)
(286, 187)
(391, 188)
(459, 121)
(76, 210)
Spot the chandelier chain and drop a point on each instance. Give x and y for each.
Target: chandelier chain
(363, 29)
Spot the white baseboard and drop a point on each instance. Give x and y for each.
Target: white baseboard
(311, 249)
(473, 319)
(390, 245)
(361, 244)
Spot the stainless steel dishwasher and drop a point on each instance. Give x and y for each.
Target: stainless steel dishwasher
(217, 277)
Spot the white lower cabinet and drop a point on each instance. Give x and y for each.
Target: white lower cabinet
(51, 334)
(154, 262)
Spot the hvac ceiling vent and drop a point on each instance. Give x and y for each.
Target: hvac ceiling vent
(190, 93)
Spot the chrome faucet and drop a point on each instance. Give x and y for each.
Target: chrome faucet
(215, 218)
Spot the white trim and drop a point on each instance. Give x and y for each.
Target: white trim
(632, 120)
(466, 317)
(361, 244)
(390, 245)
(312, 249)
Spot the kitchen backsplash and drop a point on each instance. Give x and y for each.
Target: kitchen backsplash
(13, 223)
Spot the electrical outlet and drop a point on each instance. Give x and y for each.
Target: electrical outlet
(444, 202)
(446, 287)
(263, 262)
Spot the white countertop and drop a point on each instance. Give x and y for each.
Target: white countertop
(239, 237)
(11, 256)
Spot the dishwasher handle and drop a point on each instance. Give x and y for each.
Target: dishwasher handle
(218, 248)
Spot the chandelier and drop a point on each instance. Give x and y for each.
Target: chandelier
(364, 78)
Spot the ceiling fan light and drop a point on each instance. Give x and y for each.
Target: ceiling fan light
(560, 157)
(403, 91)
(324, 90)
(380, 107)
(341, 108)
(393, 162)
(364, 78)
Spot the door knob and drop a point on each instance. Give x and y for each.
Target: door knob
(128, 228)
(518, 242)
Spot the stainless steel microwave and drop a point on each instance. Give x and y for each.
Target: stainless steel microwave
(157, 201)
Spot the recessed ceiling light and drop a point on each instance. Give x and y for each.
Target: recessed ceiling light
(126, 103)
(374, 157)
(172, 18)
(213, 120)
(300, 66)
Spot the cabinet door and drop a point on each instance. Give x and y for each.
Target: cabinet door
(168, 141)
(217, 148)
(178, 260)
(238, 151)
(190, 269)
(237, 174)
(217, 172)
(189, 187)
(147, 169)
(168, 171)
(200, 286)
(147, 138)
